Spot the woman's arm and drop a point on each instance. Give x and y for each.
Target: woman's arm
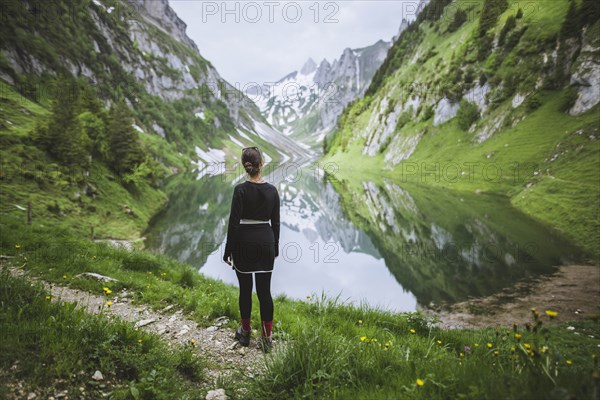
(275, 222)
(234, 223)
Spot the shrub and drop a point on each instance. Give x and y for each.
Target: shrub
(460, 17)
(570, 96)
(428, 113)
(533, 102)
(468, 113)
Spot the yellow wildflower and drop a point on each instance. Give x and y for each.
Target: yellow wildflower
(527, 346)
(412, 331)
(496, 353)
(109, 303)
(17, 246)
(48, 297)
(489, 345)
(139, 340)
(420, 382)
(193, 341)
(569, 362)
(64, 277)
(363, 338)
(476, 345)
(360, 321)
(551, 313)
(439, 341)
(518, 336)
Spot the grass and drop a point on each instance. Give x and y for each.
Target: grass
(376, 356)
(53, 346)
(327, 348)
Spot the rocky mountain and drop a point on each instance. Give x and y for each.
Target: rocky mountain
(305, 104)
(138, 50)
(489, 85)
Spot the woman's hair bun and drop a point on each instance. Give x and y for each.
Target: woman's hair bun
(251, 159)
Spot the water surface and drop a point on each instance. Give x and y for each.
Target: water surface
(386, 244)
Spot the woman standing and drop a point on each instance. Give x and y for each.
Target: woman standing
(252, 244)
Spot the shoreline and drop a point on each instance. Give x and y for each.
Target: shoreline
(573, 291)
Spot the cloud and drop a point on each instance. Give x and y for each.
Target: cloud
(262, 41)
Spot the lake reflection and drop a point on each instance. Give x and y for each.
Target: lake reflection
(384, 244)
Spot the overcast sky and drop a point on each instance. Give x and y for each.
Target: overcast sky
(262, 41)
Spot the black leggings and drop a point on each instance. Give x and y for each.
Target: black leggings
(263, 290)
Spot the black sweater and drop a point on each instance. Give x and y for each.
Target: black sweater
(258, 201)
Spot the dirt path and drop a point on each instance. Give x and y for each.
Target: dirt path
(573, 292)
(216, 343)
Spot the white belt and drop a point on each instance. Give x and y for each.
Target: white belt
(252, 221)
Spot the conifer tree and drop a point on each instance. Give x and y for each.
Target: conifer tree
(63, 136)
(126, 151)
(570, 26)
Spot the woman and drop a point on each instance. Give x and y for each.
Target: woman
(252, 244)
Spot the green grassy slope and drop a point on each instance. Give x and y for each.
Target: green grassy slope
(544, 159)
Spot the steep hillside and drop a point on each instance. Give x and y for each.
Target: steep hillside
(305, 104)
(489, 97)
(100, 100)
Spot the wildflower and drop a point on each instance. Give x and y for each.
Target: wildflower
(535, 313)
(193, 341)
(496, 353)
(489, 345)
(64, 277)
(363, 338)
(513, 349)
(109, 303)
(467, 349)
(569, 362)
(462, 354)
(518, 336)
(527, 346)
(107, 291)
(17, 246)
(476, 345)
(412, 331)
(308, 297)
(551, 313)
(48, 297)
(420, 382)
(439, 341)
(140, 341)
(544, 349)
(360, 321)
(570, 328)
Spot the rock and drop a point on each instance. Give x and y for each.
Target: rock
(212, 328)
(144, 322)
(167, 308)
(97, 376)
(185, 329)
(518, 100)
(96, 276)
(31, 396)
(445, 111)
(217, 394)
